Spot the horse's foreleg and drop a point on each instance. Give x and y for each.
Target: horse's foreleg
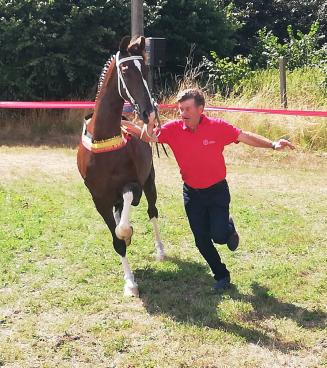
(130, 287)
(124, 229)
(150, 192)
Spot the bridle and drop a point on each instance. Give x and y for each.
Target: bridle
(122, 84)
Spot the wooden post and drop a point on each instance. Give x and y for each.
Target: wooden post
(137, 18)
(282, 79)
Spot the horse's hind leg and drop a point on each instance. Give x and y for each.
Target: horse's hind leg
(150, 192)
(106, 211)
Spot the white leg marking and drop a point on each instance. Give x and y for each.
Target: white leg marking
(117, 217)
(130, 287)
(160, 249)
(124, 230)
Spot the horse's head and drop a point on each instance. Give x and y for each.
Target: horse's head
(132, 71)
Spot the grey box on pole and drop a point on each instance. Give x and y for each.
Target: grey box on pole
(155, 49)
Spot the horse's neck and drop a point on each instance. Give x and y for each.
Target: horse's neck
(107, 117)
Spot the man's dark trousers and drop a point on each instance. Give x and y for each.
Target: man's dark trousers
(208, 214)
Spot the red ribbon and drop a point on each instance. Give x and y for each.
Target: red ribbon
(90, 105)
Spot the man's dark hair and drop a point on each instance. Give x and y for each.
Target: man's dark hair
(187, 94)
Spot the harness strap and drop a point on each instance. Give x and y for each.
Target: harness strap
(121, 80)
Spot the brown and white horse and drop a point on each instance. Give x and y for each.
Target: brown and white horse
(117, 168)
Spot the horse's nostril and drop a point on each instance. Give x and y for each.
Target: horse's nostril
(145, 116)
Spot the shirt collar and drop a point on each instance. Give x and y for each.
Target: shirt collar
(203, 120)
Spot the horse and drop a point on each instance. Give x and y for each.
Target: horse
(116, 167)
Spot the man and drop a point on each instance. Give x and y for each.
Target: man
(197, 142)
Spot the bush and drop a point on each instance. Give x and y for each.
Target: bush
(225, 74)
(300, 50)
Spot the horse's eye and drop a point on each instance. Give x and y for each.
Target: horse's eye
(124, 68)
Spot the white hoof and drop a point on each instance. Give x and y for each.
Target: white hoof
(160, 253)
(160, 256)
(131, 289)
(124, 232)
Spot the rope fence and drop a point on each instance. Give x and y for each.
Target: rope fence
(128, 107)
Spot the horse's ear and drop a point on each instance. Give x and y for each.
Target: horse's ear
(124, 44)
(137, 46)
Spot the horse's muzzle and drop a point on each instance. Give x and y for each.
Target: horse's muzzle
(148, 118)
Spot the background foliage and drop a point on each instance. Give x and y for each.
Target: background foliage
(55, 49)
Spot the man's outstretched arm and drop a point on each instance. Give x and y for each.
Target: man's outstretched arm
(256, 140)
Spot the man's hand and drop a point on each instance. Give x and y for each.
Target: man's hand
(257, 140)
(282, 144)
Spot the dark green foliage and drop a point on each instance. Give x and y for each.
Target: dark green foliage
(55, 49)
(300, 50)
(185, 23)
(225, 74)
(275, 15)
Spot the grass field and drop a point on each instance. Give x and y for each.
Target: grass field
(61, 299)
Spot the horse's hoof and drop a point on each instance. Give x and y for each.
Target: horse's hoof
(131, 291)
(160, 251)
(124, 232)
(160, 256)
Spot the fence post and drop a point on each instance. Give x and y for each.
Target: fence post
(282, 80)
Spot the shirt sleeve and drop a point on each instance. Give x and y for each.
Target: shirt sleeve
(229, 133)
(165, 133)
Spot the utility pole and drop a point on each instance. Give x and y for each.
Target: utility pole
(137, 18)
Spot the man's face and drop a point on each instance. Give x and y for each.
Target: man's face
(190, 113)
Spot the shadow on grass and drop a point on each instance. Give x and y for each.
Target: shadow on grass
(186, 296)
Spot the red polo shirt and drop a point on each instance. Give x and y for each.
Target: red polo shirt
(199, 153)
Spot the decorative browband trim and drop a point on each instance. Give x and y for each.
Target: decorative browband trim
(106, 145)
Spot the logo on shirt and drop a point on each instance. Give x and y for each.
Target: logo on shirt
(206, 142)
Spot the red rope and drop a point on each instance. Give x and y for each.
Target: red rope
(90, 105)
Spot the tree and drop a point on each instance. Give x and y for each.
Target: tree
(275, 16)
(184, 23)
(55, 49)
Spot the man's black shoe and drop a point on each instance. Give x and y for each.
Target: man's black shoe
(222, 284)
(234, 239)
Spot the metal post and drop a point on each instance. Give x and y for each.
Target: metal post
(137, 18)
(282, 79)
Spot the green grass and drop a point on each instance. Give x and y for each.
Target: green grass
(61, 285)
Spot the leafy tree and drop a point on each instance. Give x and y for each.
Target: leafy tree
(187, 22)
(275, 16)
(55, 49)
(225, 74)
(300, 50)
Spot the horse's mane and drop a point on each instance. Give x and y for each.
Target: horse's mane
(103, 74)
